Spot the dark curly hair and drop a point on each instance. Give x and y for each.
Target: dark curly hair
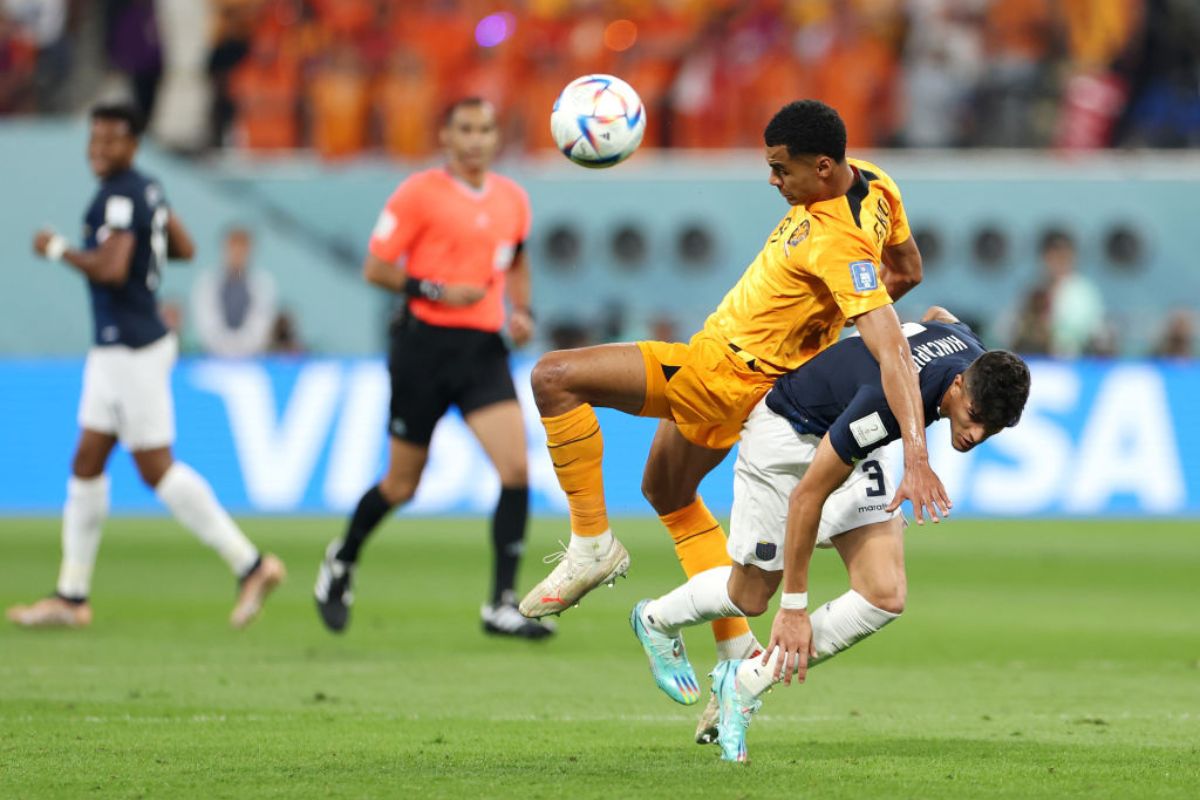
(121, 112)
(997, 384)
(808, 127)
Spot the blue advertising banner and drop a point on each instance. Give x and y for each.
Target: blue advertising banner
(307, 436)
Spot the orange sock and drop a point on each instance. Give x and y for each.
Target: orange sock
(700, 546)
(577, 450)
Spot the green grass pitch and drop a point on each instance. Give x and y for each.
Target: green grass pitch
(1036, 659)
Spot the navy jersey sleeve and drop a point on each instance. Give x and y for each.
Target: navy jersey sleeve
(865, 424)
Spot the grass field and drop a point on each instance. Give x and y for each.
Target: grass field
(1047, 659)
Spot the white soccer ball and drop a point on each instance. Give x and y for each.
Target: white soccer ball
(598, 121)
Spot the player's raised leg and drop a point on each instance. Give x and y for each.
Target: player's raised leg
(670, 482)
(84, 513)
(500, 429)
(190, 499)
(333, 590)
(567, 384)
(874, 558)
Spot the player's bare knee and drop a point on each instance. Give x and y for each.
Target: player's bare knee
(887, 598)
(750, 602)
(655, 490)
(513, 475)
(550, 379)
(86, 465)
(397, 491)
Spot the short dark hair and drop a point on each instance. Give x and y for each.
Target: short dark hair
(997, 384)
(1055, 237)
(462, 102)
(236, 231)
(808, 127)
(121, 112)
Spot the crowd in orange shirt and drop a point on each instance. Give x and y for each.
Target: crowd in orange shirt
(350, 75)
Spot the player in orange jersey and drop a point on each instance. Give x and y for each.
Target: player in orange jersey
(842, 253)
(451, 239)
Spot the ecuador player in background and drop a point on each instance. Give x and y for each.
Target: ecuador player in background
(843, 252)
(129, 233)
(451, 241)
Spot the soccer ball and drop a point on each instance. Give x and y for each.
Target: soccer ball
(598, 121)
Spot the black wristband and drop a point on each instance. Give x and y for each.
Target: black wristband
(429, 290)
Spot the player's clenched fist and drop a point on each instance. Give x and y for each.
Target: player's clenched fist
(520, 327)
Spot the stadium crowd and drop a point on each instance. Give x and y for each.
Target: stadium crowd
(346, 76)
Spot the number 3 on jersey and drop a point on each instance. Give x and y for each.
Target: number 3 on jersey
(158, 247)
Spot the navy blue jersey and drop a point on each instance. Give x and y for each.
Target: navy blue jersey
(840, 391)
(128, 314)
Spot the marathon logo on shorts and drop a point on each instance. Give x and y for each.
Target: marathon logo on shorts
(863, 274)
(764, 551)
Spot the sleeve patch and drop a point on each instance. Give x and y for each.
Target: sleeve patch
(385, 225)
(868, 430)
(118, 213)
(864, 276)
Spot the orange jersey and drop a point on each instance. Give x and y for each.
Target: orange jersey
(819, 268)
(449, 232)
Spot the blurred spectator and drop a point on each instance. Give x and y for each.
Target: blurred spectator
(133, 48)
(234, 307)
(1178, 338)
(943, 64)
(567, 334)
(284, 339)
(18, 58)
(265, 89)
(1076, 307)
(233, 31)
(339, 101)
(44, 24)
(407, 98)
(663, 328)
(1031, 335)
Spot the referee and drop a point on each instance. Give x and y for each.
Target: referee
(451, 240)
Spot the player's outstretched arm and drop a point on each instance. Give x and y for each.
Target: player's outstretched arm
(902, 268)
(180, 246)
(791, 631)
(880, 331)
(520, 322)
(108, 263)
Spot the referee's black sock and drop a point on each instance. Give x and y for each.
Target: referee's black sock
(372, 508)
(508, 540)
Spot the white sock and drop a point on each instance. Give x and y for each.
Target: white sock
(742, 646)
(839, 624)
(191, 500)
(590, 546)
(83, 518)
(703, 598)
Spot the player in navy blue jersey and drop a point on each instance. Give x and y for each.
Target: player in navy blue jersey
(129, 233)
(811, 472)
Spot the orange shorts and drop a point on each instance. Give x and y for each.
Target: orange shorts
(705, 386)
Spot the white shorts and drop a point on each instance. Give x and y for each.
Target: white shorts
(127, 393)
(772, 457)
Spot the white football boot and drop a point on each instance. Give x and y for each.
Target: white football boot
(574, 576)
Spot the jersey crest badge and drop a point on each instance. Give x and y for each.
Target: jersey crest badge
(799, 234)
(863, 274)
